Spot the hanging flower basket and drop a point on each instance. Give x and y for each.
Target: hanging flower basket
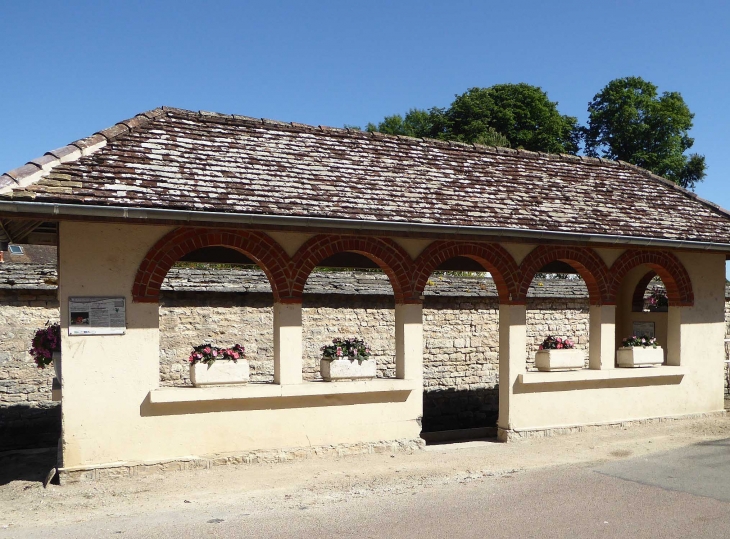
(46, 347)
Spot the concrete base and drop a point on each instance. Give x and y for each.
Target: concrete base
(637, 356)
(346, 369)
(224, 372)
(513, 435)
(142, 469)
(559, 360)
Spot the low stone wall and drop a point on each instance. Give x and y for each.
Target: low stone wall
(461, 336)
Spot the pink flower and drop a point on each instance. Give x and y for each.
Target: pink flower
(540, 347)
(235, 355)
(207, 350)
(559, 345)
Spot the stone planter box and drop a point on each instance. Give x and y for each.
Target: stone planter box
(222, 372)
(346, 369)
(639, 356)
(57, 365)
(559, 360)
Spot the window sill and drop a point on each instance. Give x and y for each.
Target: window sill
(591, 375)
(169, 395)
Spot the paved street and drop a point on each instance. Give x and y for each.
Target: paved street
(678, 493)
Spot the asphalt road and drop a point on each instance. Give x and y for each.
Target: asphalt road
(679, 493)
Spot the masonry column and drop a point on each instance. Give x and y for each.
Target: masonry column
(409, 341)
(674, 336)
(287, 343)
(512, 361)
(602, 337)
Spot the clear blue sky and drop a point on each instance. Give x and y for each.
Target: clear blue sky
(71, 68)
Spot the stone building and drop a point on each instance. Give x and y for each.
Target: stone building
(129, 202)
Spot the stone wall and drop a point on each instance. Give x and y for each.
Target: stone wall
(461, 335)
(28, 417)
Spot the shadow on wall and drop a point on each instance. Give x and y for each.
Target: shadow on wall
(28, 427)
(452, 409)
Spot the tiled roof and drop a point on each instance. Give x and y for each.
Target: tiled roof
(175, 159)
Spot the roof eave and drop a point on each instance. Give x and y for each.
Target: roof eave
(57, 211)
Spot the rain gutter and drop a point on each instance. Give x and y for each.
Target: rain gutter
(57, 211)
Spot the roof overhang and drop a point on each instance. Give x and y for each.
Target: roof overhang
(57, 211)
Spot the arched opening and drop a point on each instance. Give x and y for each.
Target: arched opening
(557, 305)
(635, 276)
(577, 274)
(461, 348)
(220, 296)
(642, 307)
(348, 295)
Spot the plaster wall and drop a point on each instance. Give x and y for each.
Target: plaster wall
(625, 317)
(107, 413)
(577, 402)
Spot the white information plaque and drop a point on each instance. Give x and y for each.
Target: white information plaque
(96, 316)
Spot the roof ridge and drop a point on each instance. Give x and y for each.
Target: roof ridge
(40, 167)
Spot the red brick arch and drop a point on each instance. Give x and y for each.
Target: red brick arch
(586, 262)
(262, 249)
(391, 257)
(672, 272)
(492, 257)
(637, 299)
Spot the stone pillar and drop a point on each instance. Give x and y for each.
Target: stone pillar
(602, 337)
(287, 343)
(674, 336)
(512, 361)
(409, 341)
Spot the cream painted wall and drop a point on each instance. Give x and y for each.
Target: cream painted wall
(702, 354)
(107, 416)
(106, 379)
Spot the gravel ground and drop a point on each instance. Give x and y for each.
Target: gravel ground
(274, 491)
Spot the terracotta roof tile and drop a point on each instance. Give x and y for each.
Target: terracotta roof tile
(176, 159)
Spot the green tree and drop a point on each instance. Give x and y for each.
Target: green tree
(416, 123)
(629, 121)
(520, 112)
(513, 115)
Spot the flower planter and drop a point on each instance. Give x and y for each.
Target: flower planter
(640, 356)
(57, 365)
(347, 369)
(559, 360)
(221, 372)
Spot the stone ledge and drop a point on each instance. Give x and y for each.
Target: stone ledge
(270, 456)
(264, 391)
(514, 435)
(589, 375)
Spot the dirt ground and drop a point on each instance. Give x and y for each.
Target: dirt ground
(25, 503)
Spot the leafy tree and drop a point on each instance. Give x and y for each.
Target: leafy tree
(516, 115)
(629, 121)
(521, 112)
(417, 123)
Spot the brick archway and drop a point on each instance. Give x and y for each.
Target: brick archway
(262, 249)
(388, 255)
(671, 271)
(586, 262)
(492, 257)
(637, 298)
